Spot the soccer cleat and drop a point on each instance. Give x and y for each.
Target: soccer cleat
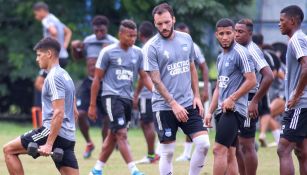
(96, 172)
(137, 172)
(183, 158)
(262, 142)
(88, 150)
(273, 144)
(148, 160)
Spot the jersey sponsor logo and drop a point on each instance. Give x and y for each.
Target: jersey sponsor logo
(223, 81)
(168, 132)
(124, 74)
(166, 54)
(121, 121)
(179, 67)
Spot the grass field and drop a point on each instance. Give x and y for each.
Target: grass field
(268, 160)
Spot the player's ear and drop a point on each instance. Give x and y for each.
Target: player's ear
(174, 20)
(49, 53)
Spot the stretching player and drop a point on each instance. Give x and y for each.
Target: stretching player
(294, 123)
(89, 49)
(169, 59)
(118, 65)
(235, 79)
(257, 99)
(59, 115)
(143, 98)
(200, 63)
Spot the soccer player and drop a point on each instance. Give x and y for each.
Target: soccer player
(258, 101)
(143, 98)
(236, 78)
(294, 123)
(90, 49)
(59, 115)
(169, 60)
(118, 65)
(53, 27)
(200, 63)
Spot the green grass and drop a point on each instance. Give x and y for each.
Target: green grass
(268, 160)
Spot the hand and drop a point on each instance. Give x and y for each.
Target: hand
(253, 109)
(45, 150)
(208, 119)
(205, 95)
(180, 112)
(135, 102)
(292, 102)
(92, 112)
(197, 102)
(228, 105)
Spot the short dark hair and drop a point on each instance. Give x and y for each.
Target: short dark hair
(100, 20)
(224, 22)
(147, 29)
(48, 43)
(161, 8)
(127, 23)
(182, 26)
(248, 23)
(40, 5)
(295, 12)
(258, 39)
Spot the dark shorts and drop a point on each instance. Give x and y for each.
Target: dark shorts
(40, 136)
(84, 97)
(167, 124)
(294, 125)
(119, 111)
(63, 62)
(228, 126)
(145, 107)
(264, 106)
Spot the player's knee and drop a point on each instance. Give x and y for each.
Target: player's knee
(121, 134)
(167, 150)
(202, 143)
(281, 151)
(219, 150)
(6, 149)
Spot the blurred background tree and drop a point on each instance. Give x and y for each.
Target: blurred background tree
(19, 31)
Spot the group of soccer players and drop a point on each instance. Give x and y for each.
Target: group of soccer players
(167, 94)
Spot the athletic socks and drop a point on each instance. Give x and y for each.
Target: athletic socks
(99, 165)
(166, 157)
(188, 149)
(157, 150)
(276, 135)
(132, 167)
(202, 145)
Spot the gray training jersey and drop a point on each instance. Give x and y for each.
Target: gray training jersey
(172, 58)
(259, 62)
(297, 48)
(59, 85)
(231, 68)
(93, 46)
(121, 69)
(51, 20)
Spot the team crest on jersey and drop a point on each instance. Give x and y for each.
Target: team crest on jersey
(168, 132)
(226, 64)
(119, 61)
(133, 61)
(121, 121)
(184, 47)
(166, 54)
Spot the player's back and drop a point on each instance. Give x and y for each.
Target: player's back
(92, 45)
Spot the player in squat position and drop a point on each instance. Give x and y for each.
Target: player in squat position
(169, 59)
(294, 123)
(59, 115)
(235, 79)
(118, 65)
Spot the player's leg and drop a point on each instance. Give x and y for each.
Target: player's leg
(275, 129)
(250, 158)
(11, 152)
(226, 133)
(232, 162)
(264, 122)
(301, 154)
(187, 150)
(69, 171)
(239, 156)
(284, 152)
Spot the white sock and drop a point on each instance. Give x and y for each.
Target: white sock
(166, 157)
(99, 165)
(157, 150)
(276, 135)
(202, 145)
(188, 149)
(132, 167)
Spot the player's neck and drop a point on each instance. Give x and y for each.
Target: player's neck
(53, 63)
(293, 31)
(124, 46)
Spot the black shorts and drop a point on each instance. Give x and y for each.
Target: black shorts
(84, 97)
(119, 111)
(40, 136)
(145, 107)
(294, 125)
(264, 106)
(63, 62)
(228, 125)
(167, 124)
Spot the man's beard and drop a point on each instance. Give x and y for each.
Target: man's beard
(227, 47)
(169, 35)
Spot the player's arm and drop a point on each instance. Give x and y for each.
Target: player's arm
(195, 88)
(204, 70)
(39, 82)
(213, 105)
(179, 111)
(76, 112)
(301, 83)
(77, 49)
(143, 81)
(67, 36)
(53, 31)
